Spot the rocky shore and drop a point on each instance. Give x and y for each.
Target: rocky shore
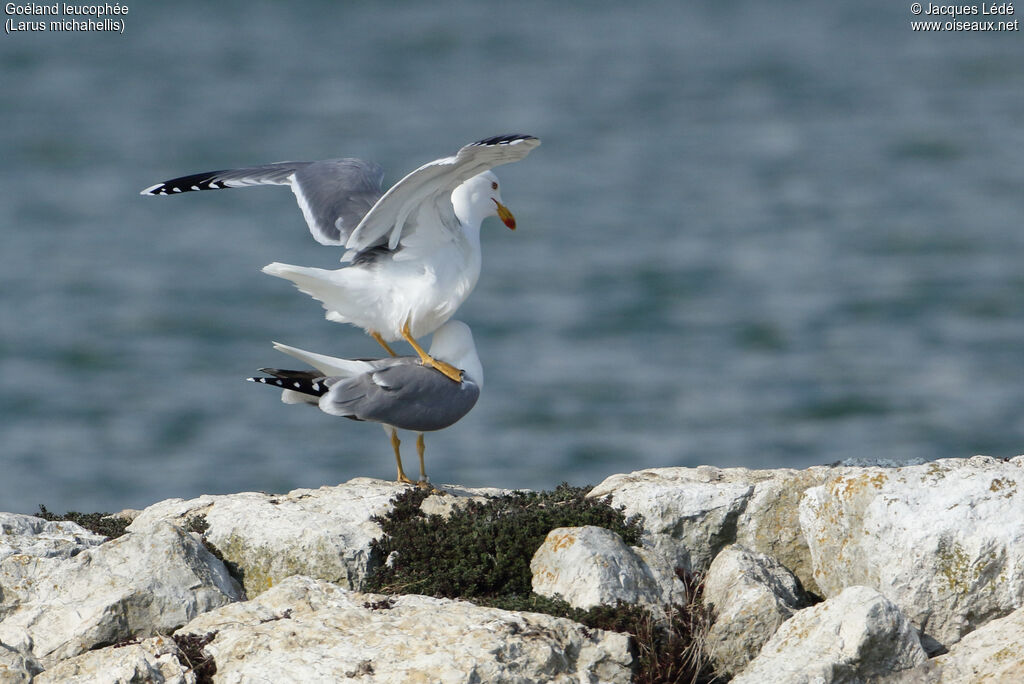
(829, 574)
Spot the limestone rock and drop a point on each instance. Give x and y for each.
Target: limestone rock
(937, 539)
(689, 513)
(312, 631)
(32, 536)
(940, 540)
(770, 521)
(324, 533)
(17, 665)
(992, 653)
(750, 594)
(855, 636)
(136, 585)
(591, 566)
(153, 661)
(452, 497)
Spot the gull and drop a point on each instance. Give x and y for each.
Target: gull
(400, 392)
(413, 252)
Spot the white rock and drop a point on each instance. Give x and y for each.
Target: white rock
(671, 589)
(992, 653)
(127, 514)
(153, 661)
(689, 513)
(324, 533)
(452, 497)
(770, 521)
(17, 665)
(592, 566)
(881, 462)
(750, 594)
(313, 631)
(853, 637)
(944, 540)
(136, 585)
(32, 536)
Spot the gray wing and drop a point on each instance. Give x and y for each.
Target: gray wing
(334, 195)
(406, 395)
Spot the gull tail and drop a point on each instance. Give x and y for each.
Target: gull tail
(338, 290)
(327, 365)
(312, 281)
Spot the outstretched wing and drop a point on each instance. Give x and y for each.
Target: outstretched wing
(428, 189)
(334, 195)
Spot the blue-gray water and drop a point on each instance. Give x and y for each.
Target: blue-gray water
(761, 234)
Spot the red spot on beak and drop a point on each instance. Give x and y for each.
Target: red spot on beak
(505, 215)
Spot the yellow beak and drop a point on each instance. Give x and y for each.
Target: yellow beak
(505, 215)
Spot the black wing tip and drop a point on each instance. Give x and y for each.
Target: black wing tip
(304, 382)
(509, 139)
(197, 181)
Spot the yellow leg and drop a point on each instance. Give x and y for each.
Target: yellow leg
(381, 342)
(395, 444)
(449, 370)
(424, 482)
(420, 448)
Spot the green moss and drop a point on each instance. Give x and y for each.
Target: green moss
(482, 550)
(100, 523)
(482, 553)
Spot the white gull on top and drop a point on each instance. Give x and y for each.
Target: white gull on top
(414, 250)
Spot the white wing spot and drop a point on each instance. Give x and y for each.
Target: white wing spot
(297, 385)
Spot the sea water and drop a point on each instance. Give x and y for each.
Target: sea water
(754, 235)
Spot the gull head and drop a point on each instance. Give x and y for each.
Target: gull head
(453, 342)
(479, 198)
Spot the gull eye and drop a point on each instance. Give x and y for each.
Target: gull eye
(494, 186)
